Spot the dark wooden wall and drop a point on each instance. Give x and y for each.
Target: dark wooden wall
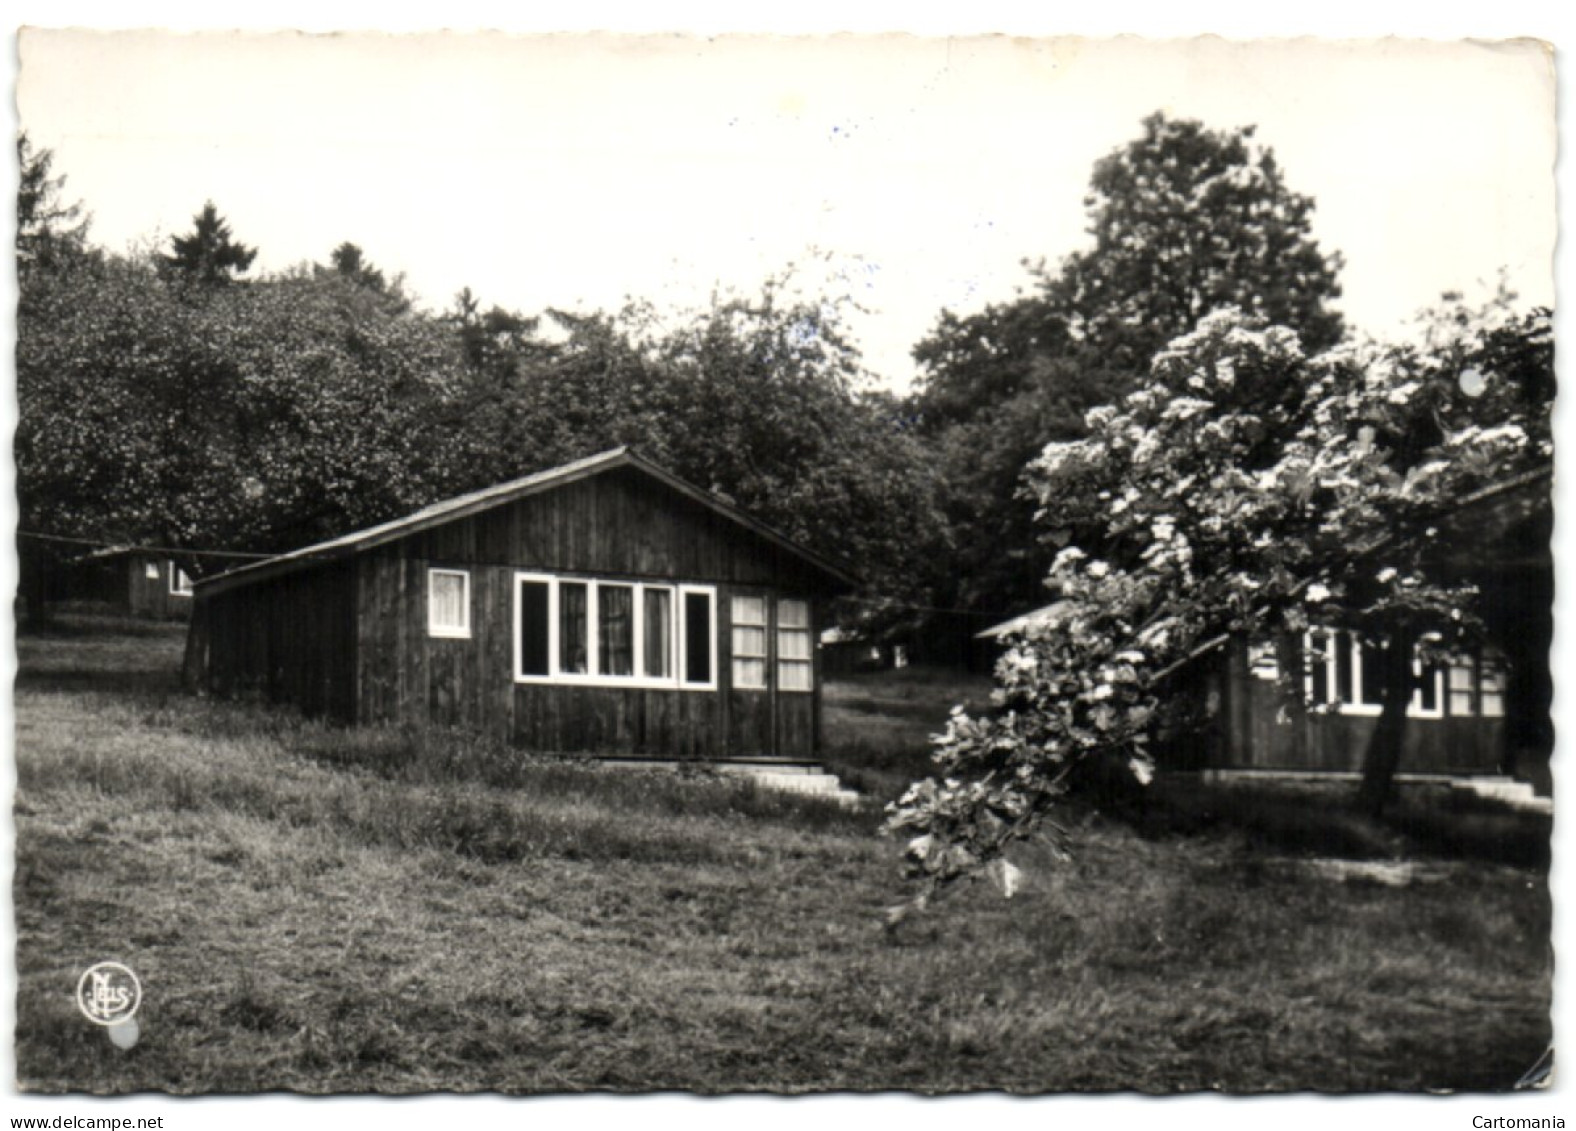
(150, 596)
(620, 525)
(289, 639)
(1265, 727)
(351, 639)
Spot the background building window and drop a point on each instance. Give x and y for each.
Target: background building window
(1491, 687)
(180, 584)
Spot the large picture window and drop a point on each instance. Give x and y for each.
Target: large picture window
(613, 633)
(1342, 670)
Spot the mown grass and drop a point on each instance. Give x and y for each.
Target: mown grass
(879, 725)
(323, 910)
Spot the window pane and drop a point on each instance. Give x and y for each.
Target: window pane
(1492, 687)
(749, 641)
(1262, 662)
(572, 642)
(749, 674)
(447, 593)
(1373, 674)
(1318, 666)
(615, 629)
(1345, 690)
(1461, 680)
(659, 633)
(1428, 693)
(749, 610)
(795, 675)
(533, 628)
(793, 645)
(697, 638)
(793, 614)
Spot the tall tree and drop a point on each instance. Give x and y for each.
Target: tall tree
(268, 416)
(208, 256)
(1187, 220)
(45, 224)
(1245, 487)
(1183, 220)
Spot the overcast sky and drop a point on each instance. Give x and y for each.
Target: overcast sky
(541, 178)
(576, 171)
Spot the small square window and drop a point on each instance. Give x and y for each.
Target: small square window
(180, 584)
(449, 603)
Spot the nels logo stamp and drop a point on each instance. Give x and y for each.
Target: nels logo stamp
(108, 994)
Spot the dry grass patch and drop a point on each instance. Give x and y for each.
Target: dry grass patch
(323, 910)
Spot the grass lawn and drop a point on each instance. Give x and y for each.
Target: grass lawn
(321, 910)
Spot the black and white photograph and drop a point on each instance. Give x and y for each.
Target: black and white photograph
(697, 564)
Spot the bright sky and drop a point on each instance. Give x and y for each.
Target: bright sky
(576, 171)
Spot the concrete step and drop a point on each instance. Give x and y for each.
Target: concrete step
(1507, 791)
(805, 778)
(808, 784)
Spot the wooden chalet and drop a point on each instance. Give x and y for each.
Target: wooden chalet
(606, 606)
(1310, 704)
(135, 582)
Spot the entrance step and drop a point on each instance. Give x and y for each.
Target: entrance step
(809, 784)
(1507, 791)
(804, 778)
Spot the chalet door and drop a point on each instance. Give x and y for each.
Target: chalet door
(751, 729)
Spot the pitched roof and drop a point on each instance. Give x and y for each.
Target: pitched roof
(1044, 615)
(463, 506)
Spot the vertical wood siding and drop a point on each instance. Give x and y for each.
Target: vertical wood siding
(150, 596)
(351, 638)
(1268, 728)
(291, 639)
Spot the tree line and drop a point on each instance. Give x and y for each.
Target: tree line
(1171, 430)
(171, 398)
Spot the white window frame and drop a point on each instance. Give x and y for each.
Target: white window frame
(1414, 708)
(681, 634)
(591, 677)
(177, 575)
(1495, 668)
(449, 631)
(808, 662)
(1332, 683)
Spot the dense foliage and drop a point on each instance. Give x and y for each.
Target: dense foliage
(169, 400)
(1248, 487)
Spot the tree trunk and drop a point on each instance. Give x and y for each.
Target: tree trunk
(1383, 755)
